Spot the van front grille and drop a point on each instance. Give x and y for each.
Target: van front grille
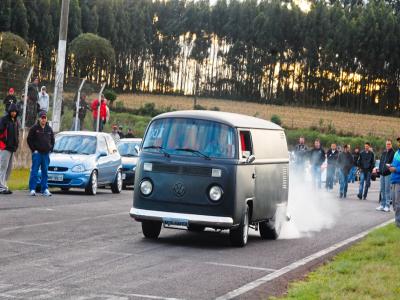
(184, 170)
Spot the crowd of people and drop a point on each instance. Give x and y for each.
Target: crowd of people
(343, 165)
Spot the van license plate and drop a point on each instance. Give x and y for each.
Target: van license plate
(55, 177)
(175, 221)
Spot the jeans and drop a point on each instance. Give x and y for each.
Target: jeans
(6, 158)
(352, 174)
(343, 183)
(385, 191)
(101, 125)
(395, 189)
(316, 176)
(365, 177)
(330, 176)
(42, 161)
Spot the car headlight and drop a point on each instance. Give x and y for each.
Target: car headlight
(146, 187)
(78, 168)
(215, 193)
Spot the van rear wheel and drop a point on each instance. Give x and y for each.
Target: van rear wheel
(151, 229)
(270, 230)
(239, 235)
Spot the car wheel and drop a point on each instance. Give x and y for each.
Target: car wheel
(116, 186)
(196, 228)
(151, 229)
(239, 235)
(91, 188)
(271, 229)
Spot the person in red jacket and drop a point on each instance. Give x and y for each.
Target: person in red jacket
(103, 112)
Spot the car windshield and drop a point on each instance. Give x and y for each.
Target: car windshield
(191, 137)
(128, 148)
(75, 144)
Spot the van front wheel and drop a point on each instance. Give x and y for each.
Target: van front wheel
(239, 235)
(151, 229)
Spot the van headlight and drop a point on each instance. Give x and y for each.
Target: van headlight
(146, 187)
(78, 168)
(215, 193)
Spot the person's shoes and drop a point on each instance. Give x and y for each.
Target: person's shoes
(47, 193)
(359, 196)
(6, 192)
(386, 209)
(32, 193)
(380, 207)
(365, 198)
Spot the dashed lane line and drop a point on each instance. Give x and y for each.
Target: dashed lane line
(256, 283)
(241, 266)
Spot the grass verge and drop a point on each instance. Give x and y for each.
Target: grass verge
(367, 270)
(19, 179)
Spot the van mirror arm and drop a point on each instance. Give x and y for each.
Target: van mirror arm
(250, 159)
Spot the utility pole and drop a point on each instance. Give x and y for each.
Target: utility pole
(59, 80)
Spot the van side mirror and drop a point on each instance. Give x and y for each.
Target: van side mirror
(137, 149)
(102, 153)
(250, 159)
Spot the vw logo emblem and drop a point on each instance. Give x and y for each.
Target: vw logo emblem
(179, 189)
(55, 169)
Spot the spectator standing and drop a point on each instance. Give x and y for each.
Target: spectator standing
(317, 158)
(8, 100)
(130, 134)
(384, 172)
(43, 101)
(366, 162)
(102, 105)
(82, 110)
(115, 134)
(300, 153)
(32, 103)
(332, 157)
(9, 138)
(353, 170)
(120, 132)
(344, 163)
(41, 142)
(394, 168)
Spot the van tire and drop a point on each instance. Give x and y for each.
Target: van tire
(240, 235)
(151, 229)
(116, 186)
(269, 229)
(196, 228)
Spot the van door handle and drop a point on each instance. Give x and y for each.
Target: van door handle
(254, 176)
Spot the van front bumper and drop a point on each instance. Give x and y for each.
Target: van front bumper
(154, 215)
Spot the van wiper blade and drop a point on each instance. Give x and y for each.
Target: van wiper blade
(158, 147)
(193, 151)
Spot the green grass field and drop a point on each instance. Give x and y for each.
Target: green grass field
(19, 179)
(368, 270)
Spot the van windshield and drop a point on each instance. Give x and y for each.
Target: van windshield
(191, 137)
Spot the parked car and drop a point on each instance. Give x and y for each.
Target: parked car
(85, 160)
(200, 169)
(129, 151)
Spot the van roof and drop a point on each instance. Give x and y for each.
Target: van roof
(231, 119)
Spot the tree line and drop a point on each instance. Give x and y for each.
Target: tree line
(343, 54)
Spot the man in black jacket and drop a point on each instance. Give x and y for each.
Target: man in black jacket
(366, 163)
(300, 154)
(345, 163)
(317, 158)
(41, 143)
(384, 172)
(332, 157)
(353, 170)
(9, 130)
(9, 99)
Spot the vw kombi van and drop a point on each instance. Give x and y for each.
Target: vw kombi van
(219, 170)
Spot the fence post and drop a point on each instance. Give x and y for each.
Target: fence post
(25, 101)
(1, 64)
(77, 104)
(98, 110)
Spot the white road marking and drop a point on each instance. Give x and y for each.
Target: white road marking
(24, 243)
(64, 221)
(252, 285)
(145, 296)
(240, 266)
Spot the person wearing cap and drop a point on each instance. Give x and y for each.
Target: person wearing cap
(41, 142)
(103, 112)
(9, 99)
(9, 138)
(32, 103)
(115, 135)
(394, 168)
(43, 101)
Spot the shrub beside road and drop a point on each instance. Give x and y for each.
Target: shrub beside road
(368, 270)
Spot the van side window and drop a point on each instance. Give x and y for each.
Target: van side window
(246, 146)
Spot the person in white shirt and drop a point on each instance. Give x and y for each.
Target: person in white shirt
(43, 101)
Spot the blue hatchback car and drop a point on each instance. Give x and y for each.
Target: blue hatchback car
(85, 160)
(128, 148)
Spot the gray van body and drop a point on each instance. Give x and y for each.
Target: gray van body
(261, 184)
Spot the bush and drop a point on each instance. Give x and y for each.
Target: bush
(276, 119)
(110, 95)
(199, 107)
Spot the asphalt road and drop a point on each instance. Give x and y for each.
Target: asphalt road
(83, 247)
